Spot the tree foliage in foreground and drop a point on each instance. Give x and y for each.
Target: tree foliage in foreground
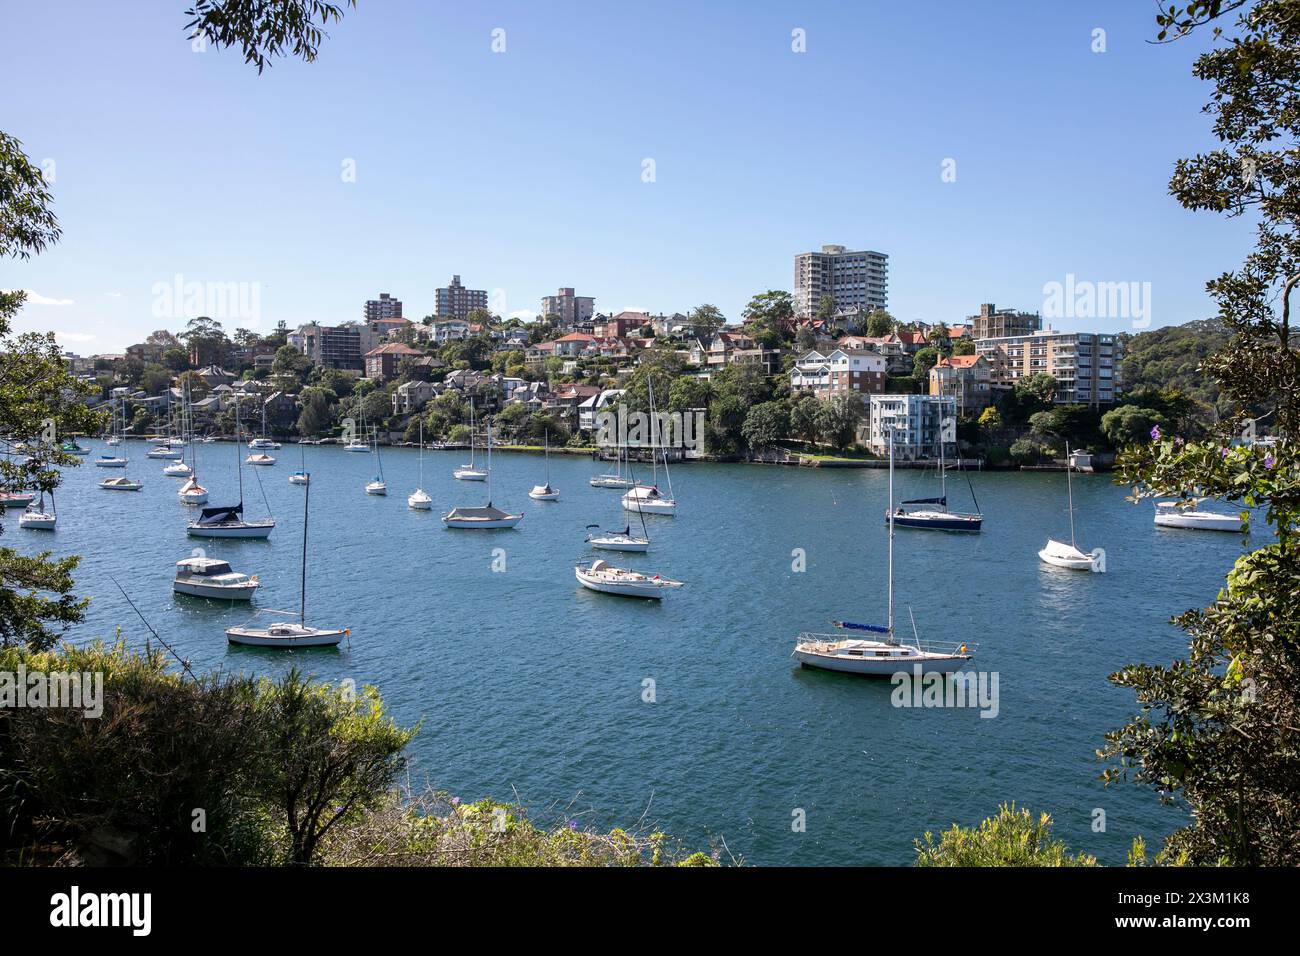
(1013, 837)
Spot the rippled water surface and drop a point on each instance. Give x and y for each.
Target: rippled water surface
(524, 682)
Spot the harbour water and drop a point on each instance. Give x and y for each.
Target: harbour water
(529, 687)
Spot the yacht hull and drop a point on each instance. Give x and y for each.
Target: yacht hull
(937, 521)
(307, 637)
(1200, 521)
(242, 529)
(242, 593)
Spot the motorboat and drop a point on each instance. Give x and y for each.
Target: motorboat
(16, 499)
(263, 444)
(603, 577)
(122, 483)
(111, 461)
(213, 578)
(888, 655)
(546, 491)
(1189, 514)
(71, 447)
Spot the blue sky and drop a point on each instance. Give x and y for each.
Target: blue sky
(522, 171)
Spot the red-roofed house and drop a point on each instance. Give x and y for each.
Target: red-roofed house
(382, 360)
(967, 378)
(574, 344)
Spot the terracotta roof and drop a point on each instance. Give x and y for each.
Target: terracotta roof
(960, 361)
(576, 337)
(393, 348)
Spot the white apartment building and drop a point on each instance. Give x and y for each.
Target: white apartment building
(1086, 365)
(916, 422)
(449, 330)
(850, 278)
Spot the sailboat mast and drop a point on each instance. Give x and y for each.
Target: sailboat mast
(1069, 490)
(421, 452)
(489, 463)
(239, 461)
(891, 533)
(306, 501)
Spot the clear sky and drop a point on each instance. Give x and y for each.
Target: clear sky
(522, 171)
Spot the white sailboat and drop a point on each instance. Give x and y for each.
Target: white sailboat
(228, 521)
(880, 658)
(121, 483)
(486, 517)
(263, 443)
(418, 500)
(616, 480)
(192, 493)
(470, 472)
(545, 491)
(1190, 515)
(378, 486)
(623, 540)
(300, 477)
(290, 634)
(1059, 554)
(603, 577)
(37, 518)
(648, 499)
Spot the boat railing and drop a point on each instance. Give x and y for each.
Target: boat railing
(952, 648)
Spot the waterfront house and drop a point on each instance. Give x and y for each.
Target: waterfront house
(917, 423)
(838, 371)
(967, 378)
(412, 396)
(383, 360)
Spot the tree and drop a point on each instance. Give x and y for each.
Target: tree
(803, 416)
(939, 339)
(290, 362)
(879, 323)
(315, 403)
(766, 424)
(837, 420)
(706, 320)
(155, 380)
(924, 360)
(826, 307)
(1130, 424)
(263, 30)
(1036, 391)
(768, 316)
(1218, 729)
(963, 347)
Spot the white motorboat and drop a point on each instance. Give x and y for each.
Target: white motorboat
(290, 634)
(178, 470)
(1189, 514)
(418, 500)
(16, 499)
(263, 444)
(545, 491)
(486, 517)
(1069, 556)
(599, 576)
(260, 459)
(37, 518)
(193, 493)
(648, 499)
(470, 472)
(885, 657)
(121, 484)
(111, 461)
(212, 578)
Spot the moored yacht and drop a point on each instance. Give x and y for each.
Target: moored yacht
(486, 517)
(546, 491)
(37, 518)
(121, 483)
(603, 577)
(1069, 556)
(1190, 514)
(111, 461)
(212, 578)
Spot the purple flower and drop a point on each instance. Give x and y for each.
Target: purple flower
(1155, 433)
(573, 824)
(1269, 462)
(1226, 449)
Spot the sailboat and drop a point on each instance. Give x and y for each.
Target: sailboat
(288, 634)
(648, 499)
(1058, 553)
(486, 517)
(178, 469)
(623, 540)
(300, 477)
(377, 487)
(37, 518)
(193, 493)
(418, 500)
(263, 443)
(618, 479)
(938, 518)
(544, 492)
(228, 521)
(603, 577)
(469, 472)
(163, 446)
(880, 658)
(113, 439)
(355, 444)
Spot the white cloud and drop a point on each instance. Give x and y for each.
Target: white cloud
(78, 337)
(35, 298)
(113, 295)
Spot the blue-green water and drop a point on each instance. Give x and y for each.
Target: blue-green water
(527, 684)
